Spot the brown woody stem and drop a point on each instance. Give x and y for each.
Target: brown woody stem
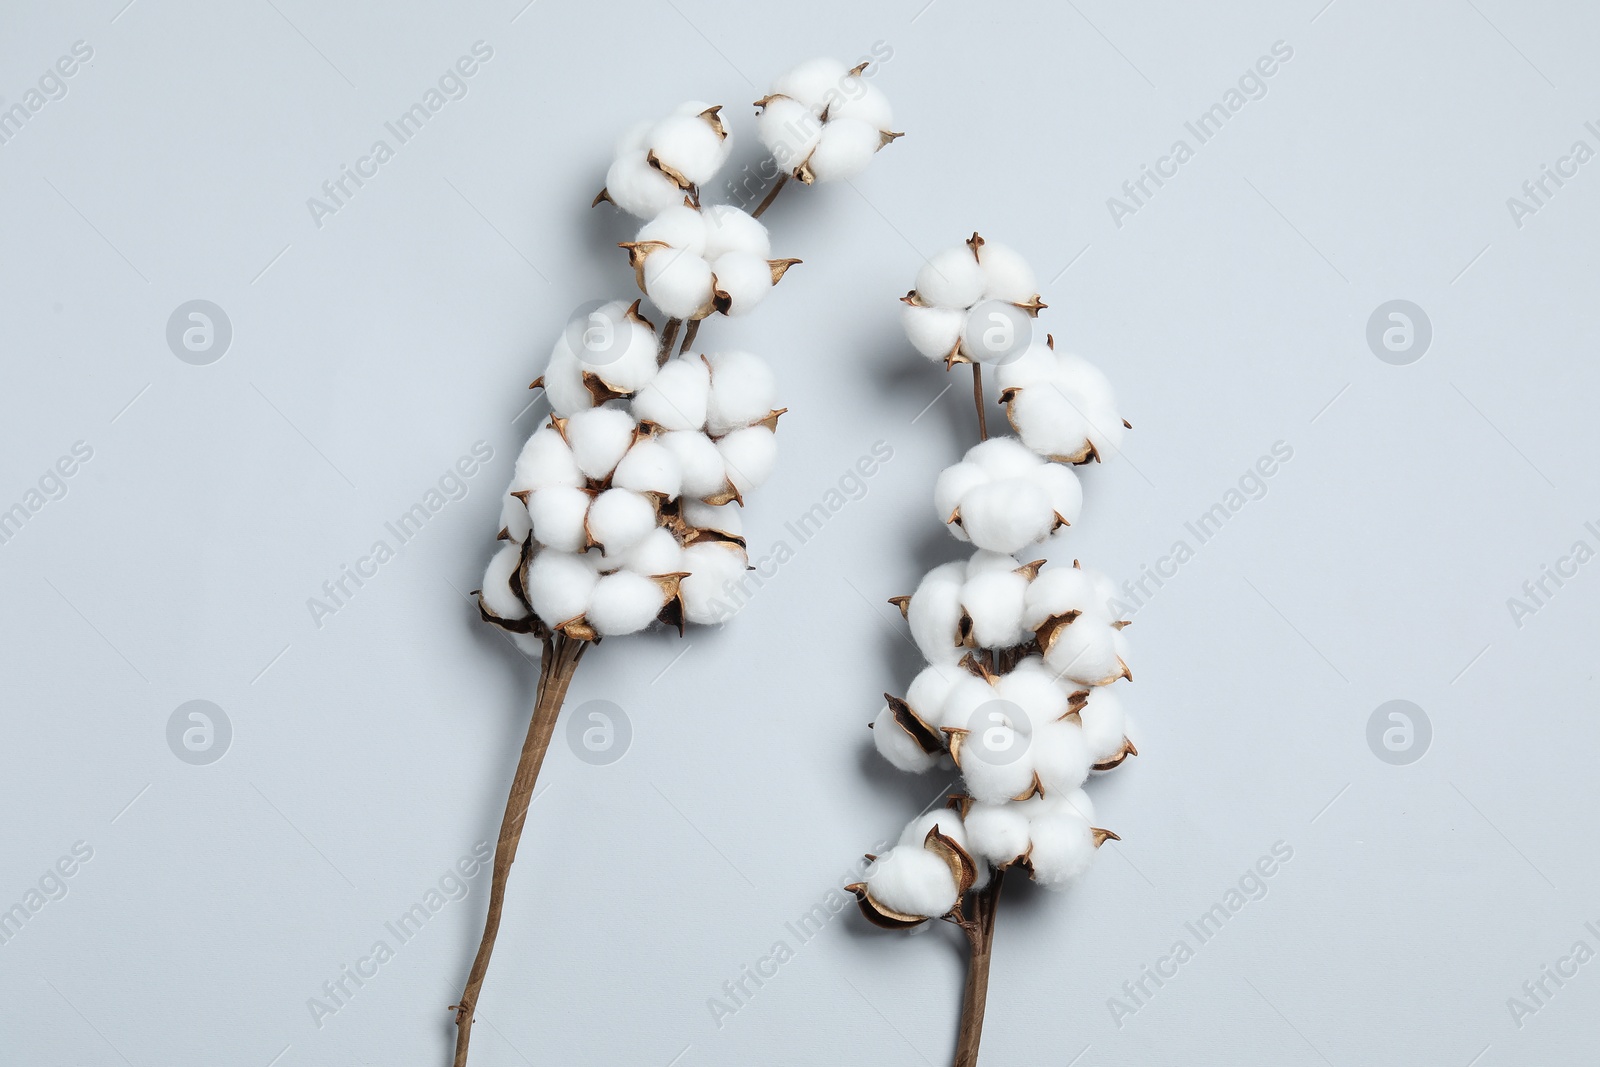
(669, 333)
(977, 400)
(980, 939)
(772, 194)
(561, 656)
(688, 335)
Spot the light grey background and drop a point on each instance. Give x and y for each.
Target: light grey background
(371, 753)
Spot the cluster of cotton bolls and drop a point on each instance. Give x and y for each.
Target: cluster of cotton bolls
(952, 285)
(658, 164)
(1060, 405)
(1018, 693)
(692, 262)
(823, 122)
(624, 509)
(1003, 497)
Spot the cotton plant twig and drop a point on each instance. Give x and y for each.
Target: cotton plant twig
(1022, 657)
(623, 511)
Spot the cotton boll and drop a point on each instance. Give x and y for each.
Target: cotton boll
(619, 519)
(860, 99)
(497, 594)
(789, 130)
(742, 281)
(556, 513)
(658, 552)
(1060, 756)
(749, 455)
(721, 518)
(1085, 651)
(559, 585)
(935, 332)
(649, 467)
(624, 603)
(599, 438)
(514, 519)
(638, 188)
(704, 472)
(990, 781)
(545, 460)
(899, 747)
(954, 482)
(966, 697)
(1034, 689)
(1062, 848)
(1006, 516)
(676, 398)
(930, 689)
(731, 229)
(1062, 488)
(626, 367)
(844, 150)
(712, 593)
(951, 279)
(690, 146)
(1074, 802)
(1104, 723)
(993, 601)
(934, 613)
(1091, 391)
(1003, 457)
(912, 880)
(743, 391)
(1034, 366)
(1058, 591)
(680, 226)
(1006, 275)
(1049, 423)
(996, 833)
(678, 282)
(813, 83)
(563, 382)
(946, 819)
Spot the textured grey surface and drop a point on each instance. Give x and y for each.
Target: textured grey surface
(368, 755)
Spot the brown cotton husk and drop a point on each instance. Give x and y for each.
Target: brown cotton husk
(1102, 836)
(633, 314)
(903, 603)
(919, 729)
(578, 629)
(1051, 628)
(638, 252)
(599, 390)
(962, 867)
(1116, 761)
(529, 624)
(780, 267)
(879, 915)
(714, 120)
(726, 495)
(675, 176)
